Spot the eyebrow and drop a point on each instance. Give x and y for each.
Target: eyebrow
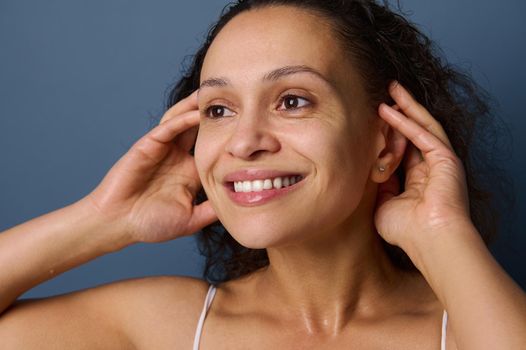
(273, 75)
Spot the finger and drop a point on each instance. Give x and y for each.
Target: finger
(420, 137)
(413, 157)
(171, 128)
(153, 144)
(187, 139)
(186, 104)
(202, 216)
(414, 110)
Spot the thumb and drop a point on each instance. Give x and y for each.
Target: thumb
(203, 215)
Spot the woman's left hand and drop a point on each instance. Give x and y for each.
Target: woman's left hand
(435, 199)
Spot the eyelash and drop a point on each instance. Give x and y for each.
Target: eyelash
(281, 100)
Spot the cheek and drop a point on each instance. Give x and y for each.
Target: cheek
(332, 147)
(341, 161)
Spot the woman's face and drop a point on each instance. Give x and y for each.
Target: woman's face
(325, 133)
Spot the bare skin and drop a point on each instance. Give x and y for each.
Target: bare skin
(329, 284)
(325, 285)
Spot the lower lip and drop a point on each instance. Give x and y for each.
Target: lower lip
(257, 198)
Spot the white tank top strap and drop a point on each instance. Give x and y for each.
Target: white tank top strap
(444, 326)
(208, 301)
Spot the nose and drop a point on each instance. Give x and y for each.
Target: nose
(252, 137)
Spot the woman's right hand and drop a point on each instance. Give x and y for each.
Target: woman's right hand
(150, 191)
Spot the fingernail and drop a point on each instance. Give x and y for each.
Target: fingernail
(391, 112)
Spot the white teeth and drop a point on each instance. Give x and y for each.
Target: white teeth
(247, 186)
(266, 184)
(257, 185)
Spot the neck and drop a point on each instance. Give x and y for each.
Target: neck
(324, 283)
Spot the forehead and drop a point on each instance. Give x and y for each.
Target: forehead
(260, 40)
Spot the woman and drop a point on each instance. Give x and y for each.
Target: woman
(296, 122)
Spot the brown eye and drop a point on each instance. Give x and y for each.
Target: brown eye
(216, 111)
(294, 102)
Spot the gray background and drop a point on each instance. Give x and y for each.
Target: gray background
(79, 81)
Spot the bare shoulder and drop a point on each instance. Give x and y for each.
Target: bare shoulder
(142, 313)
(177, 291)
(419, 296)
(160, 312)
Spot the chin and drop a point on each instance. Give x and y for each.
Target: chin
(263, 235)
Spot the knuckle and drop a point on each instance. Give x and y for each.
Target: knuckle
(164, 119)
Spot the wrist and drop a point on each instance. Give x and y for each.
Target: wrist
(440, 242)
(110, 232)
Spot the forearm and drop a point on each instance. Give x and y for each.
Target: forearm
(486, 308)
(37, 250)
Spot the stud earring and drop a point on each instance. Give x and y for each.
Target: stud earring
(381, 168)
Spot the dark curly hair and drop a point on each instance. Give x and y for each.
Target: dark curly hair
(385, 46)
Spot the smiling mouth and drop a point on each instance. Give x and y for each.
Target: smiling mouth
(262, 185)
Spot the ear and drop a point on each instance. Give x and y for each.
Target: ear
(390, 149)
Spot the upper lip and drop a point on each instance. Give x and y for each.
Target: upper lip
(257, 174)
